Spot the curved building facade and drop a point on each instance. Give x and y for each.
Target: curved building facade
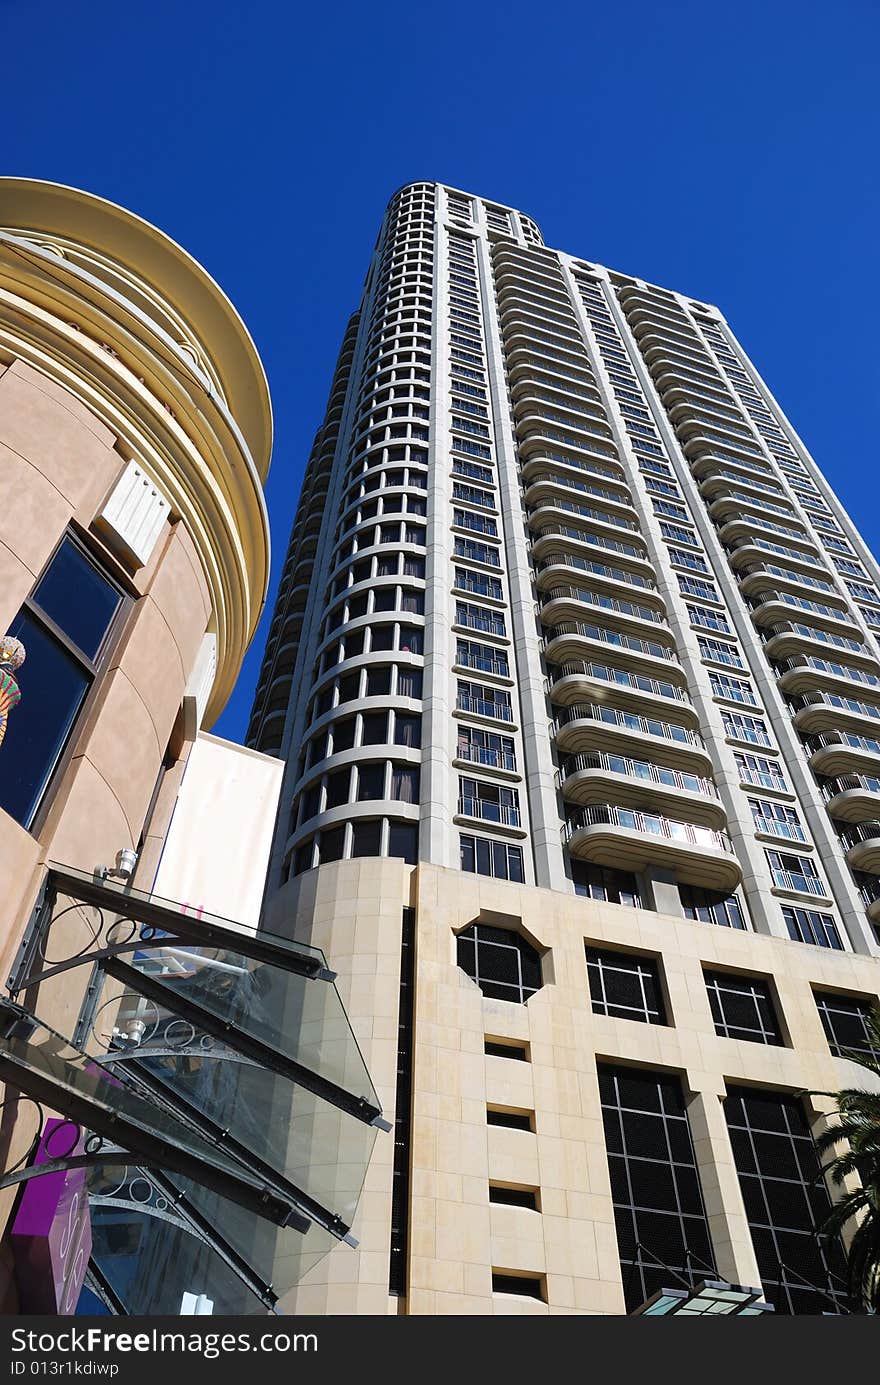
(135, 435)
(576, 674)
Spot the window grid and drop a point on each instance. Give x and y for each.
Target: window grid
(658, 1202)
(504, 965)
(742, 1008)
(786, 1201)
(624, 986)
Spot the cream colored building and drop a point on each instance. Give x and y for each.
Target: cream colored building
(575, 671)
(135, 435)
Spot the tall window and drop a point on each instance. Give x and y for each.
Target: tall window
(658, 1203)
(786, 1201)
(65, 625)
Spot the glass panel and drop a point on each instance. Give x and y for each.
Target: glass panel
(78, 598)
(53, 688)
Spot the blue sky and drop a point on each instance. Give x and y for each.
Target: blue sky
(728, 152)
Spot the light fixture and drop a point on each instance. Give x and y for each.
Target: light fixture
(126, 860)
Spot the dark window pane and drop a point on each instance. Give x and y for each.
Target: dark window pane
(366, 839)
(403, 840)
(53, 688)
(78, 598)
(332, 844)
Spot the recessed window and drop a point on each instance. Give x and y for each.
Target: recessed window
(786, 1201)
(366, 838)
(602, 882)
(709, 906)
(403, 840)
(527, 1286)
(371, 781)
(504, 964)
(625, 986)
(509, 1119)
(514, 1197)
(845, 1021)
(332, 844)
(65, 626)
(662, 1231)
(501, 1048)
(497, 859)
(742, 1007)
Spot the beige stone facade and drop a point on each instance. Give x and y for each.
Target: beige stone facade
(457, 1238)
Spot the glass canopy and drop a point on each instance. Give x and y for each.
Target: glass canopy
(228, 1110)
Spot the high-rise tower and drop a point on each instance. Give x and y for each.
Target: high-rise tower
(575, 668)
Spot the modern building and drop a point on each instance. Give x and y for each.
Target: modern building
(575, 670)
(135, 434)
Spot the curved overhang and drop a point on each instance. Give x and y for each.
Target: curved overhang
(595, 786)
(625, 848)
(585, 733)
(865, 855)
(573, 687)
(110, 308)
(855, 805)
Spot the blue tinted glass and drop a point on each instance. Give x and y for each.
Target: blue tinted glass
(53, 688)
(73, 593)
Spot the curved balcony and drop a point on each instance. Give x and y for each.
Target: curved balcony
(569, 603)
(758, 576)
(746, 554)
(862, 841)
(567, 450)
(731, 501)
(804, 673)
(525, 362)
(581, 541)
(843, 752)
(853, 797)
(597, 777)
(575, 639)
(544, 486)
(583, 680)
(625, 839)
(585, 726)
(792, 637)
(531, 414)
(559, 568)
(560, 510)
(775, 607)
(747, 527)
(823, 711)
(605, 470)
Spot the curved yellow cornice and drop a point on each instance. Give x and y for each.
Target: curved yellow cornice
(161, 370)
(54, 210)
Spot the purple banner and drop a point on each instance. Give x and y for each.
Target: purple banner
(52, 1235)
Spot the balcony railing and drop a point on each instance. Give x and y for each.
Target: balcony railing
(809, 661)
(759, 779)
(653, 823)
(577, 564)
(631, 721)
(504, 815)
(567, 531)
(484, 707)
(584, 512)
(809, 632)
(798, 882)
(486, 755)
(778, 827)
(624, 678)
(837, 700)
(612, 637)
(856, 832)
(637, 769)
(570, 484)
(605, 603)
(843, 783)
